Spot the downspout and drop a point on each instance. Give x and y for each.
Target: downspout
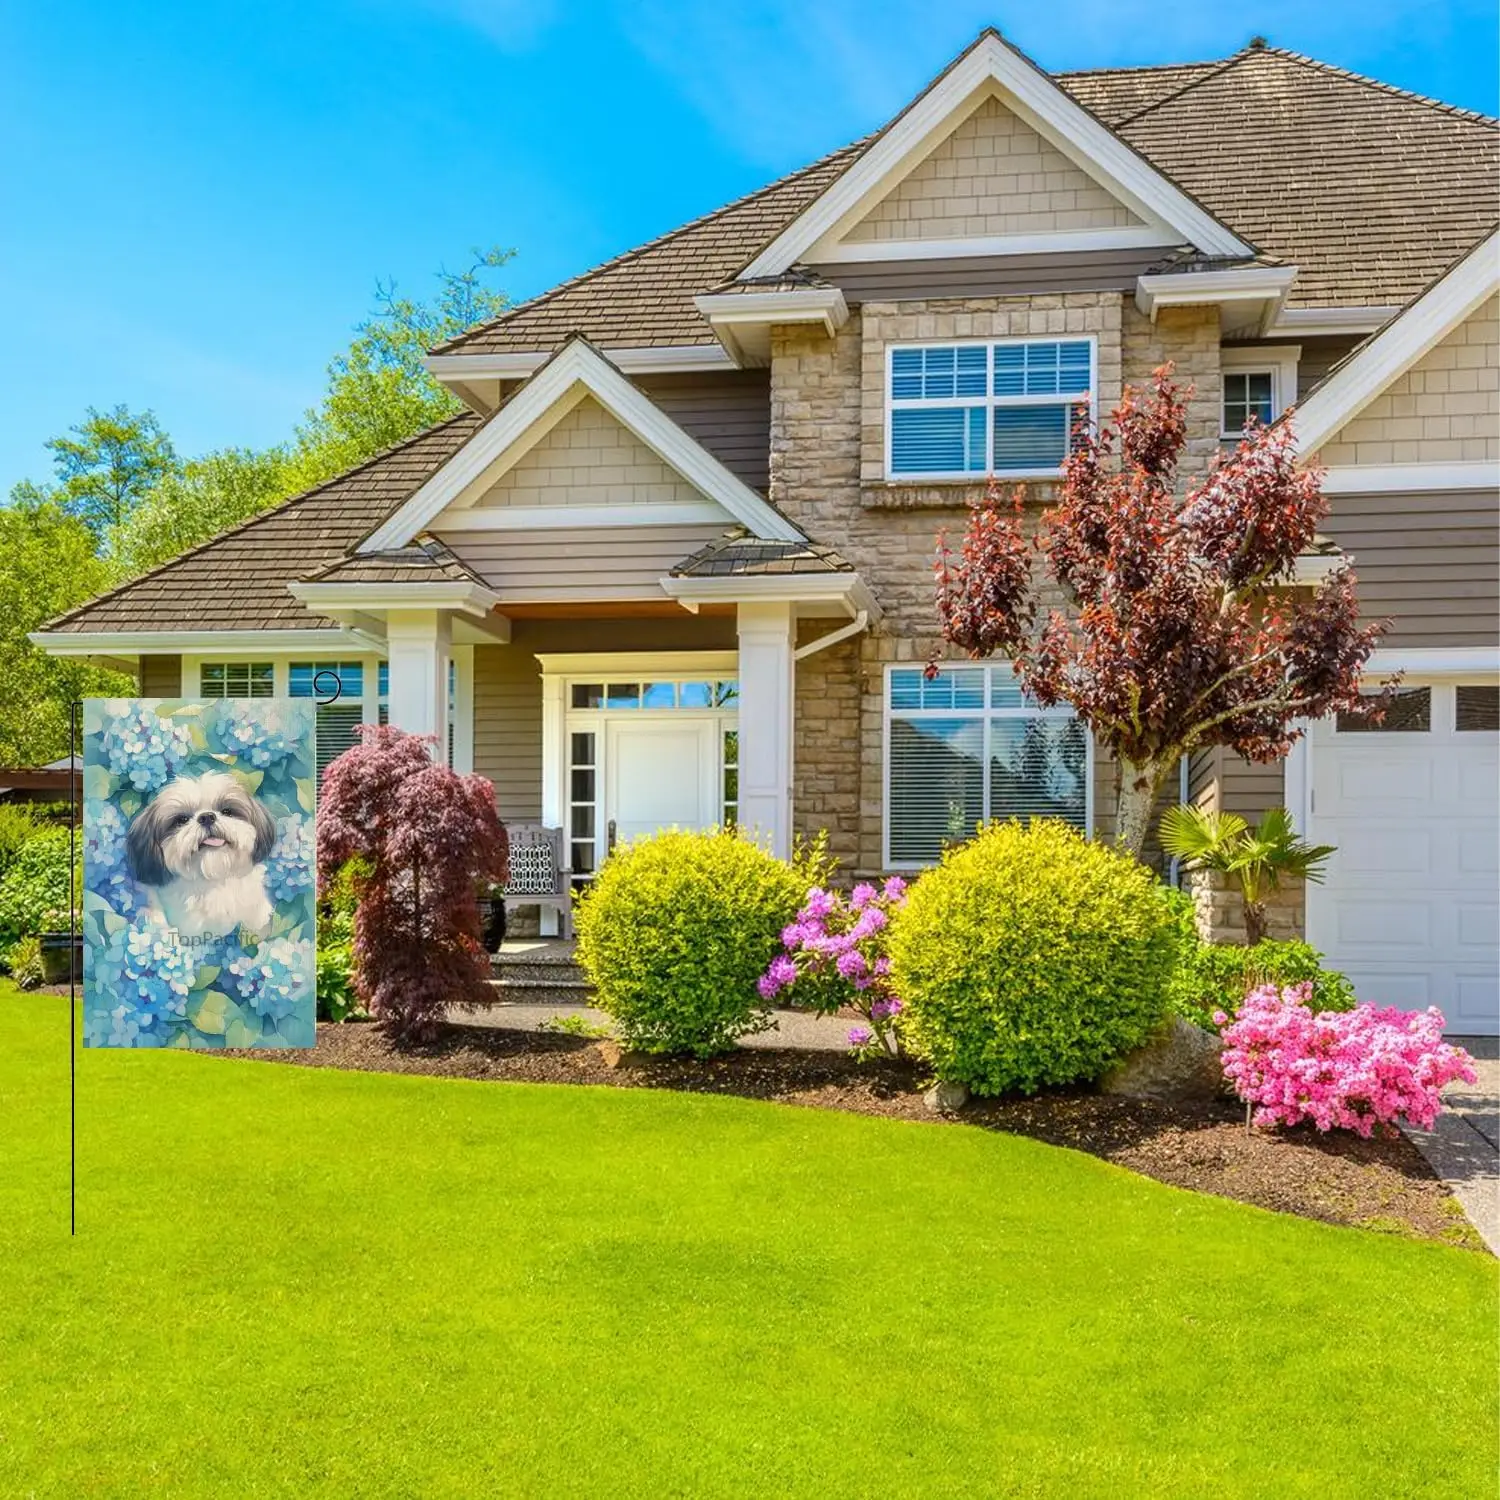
(823, 642)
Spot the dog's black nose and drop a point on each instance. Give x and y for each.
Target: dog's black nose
(207, 819)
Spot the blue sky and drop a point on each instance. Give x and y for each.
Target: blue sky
(196, 199)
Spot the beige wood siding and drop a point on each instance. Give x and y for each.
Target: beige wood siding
(1219, 779)
(589, 458)
(508, 690)
(161, 676)
(1429, 562)
(577, 564)
(1445, 409)
(993, 175)
(727, 412)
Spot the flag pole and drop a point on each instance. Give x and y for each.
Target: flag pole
(74, 777)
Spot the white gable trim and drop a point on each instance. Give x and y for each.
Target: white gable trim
(1411, 479)
(1393, 351)
(1127, 237)
(575, 517)
(993, 65)
(577, 370)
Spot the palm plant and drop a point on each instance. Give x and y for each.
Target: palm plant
(1258, 859)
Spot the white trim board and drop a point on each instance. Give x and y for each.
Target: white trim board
(1371, 479)
(577, 370)
(234, 643)
(1394, 350)
(1061, 242)
(577, 517)
(1280, 360)
(992, 65)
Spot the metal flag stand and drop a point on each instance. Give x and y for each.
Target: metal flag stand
(75, 777)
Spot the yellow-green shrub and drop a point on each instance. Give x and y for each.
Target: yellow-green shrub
(1031, 956)
(677, 928)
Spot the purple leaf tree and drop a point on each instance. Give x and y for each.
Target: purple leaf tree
(426, 837)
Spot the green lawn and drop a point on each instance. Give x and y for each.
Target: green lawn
(306, 1282)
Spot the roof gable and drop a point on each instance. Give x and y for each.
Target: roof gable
(1389, 354)
(682, 474)
(992, 68)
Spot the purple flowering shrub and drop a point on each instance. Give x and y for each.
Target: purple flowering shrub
(834, 956)
(1343, 1070)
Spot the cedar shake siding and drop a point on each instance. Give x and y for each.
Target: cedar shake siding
(161, 676)
(1429, 562)
(1445, 409)
(994, 175)
(585, 564)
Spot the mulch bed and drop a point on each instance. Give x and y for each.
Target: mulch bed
(1382, 1184)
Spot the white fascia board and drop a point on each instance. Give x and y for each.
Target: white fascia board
(845, 589)
(1435, 661)
(1375, 479)
(150, 642)
(1127, 237)
(992, 62)
(578, 368)
(466, 598)
(648, 360)
(743, 320)
(1267, 285)
(1394, 350)
(1310, 322)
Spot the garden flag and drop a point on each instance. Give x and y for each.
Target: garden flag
(198, 872)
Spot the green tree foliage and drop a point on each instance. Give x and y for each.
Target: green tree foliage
(108, 464)
(48, 563)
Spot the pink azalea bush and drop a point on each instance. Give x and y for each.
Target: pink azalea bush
(834, 955)
(1344, 1070)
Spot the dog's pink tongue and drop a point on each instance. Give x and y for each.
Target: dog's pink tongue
(213, 843)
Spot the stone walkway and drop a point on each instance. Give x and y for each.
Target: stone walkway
(1464, 1149)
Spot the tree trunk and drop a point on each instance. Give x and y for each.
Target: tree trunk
(1139, 785)
(1255, 921)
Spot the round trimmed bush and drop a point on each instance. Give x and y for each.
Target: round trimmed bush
(1031, 956)
(675, 931)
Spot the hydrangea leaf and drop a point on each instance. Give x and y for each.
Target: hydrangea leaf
(306, 793)
(197, 738)
(98, 784)
(240, 1033)
(206, 975)
(130, 802)
(212, 1013)
(113, 922)
(250, 780)
(93, 719)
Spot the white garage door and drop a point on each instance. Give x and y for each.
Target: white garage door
(1411, 907)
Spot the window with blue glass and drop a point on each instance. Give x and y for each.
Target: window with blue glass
(339, 687)
(1008, 408)
(965, 746)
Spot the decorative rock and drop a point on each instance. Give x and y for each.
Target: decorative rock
(946, 1098)
(1181, 1061)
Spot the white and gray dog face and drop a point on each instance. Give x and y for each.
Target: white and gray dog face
(199, 828)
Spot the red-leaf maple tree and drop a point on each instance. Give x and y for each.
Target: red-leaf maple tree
(426, 837)
(1181, 630)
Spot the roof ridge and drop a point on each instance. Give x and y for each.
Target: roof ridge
(661, 239)
(1375, 83)
(1217, 69)
(1207, 62)
(249, 521)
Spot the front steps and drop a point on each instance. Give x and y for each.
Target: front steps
(538, 971)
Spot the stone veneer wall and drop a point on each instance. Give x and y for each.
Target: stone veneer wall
(827, 453)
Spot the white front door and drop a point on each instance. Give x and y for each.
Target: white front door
(661, 773)
(1409, 908)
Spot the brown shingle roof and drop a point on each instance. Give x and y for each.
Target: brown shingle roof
(238, 580)
(742, 556)
(1370, 190)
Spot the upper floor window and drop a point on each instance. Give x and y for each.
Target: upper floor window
(1008, 407)
(1258, 382)
(237, 679)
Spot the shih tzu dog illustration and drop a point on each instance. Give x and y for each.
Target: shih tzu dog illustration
(200, 845)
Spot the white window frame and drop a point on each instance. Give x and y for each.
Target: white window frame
(989, 401)
(986, 716)
(1279, 361)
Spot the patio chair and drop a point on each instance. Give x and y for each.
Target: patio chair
(539, 873)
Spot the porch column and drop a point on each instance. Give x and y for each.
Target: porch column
(419, 643)
(765, 728)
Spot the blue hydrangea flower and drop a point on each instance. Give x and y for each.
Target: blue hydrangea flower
(103, 835)
(275, 979)
(147, 973)
(143, 749)
(258, 733)
(119, 888)
(290, 866)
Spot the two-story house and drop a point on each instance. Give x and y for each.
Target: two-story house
(674, 564)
